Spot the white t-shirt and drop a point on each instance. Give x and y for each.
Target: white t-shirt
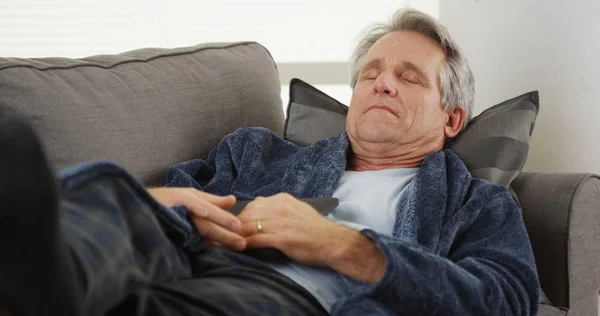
(368, 199)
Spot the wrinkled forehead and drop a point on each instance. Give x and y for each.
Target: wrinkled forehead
(401, 47)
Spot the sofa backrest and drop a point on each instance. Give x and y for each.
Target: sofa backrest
(145, 109)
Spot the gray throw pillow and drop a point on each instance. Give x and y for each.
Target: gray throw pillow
(312, 115)
(494, 146)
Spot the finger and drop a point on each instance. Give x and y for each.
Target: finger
(262, 241)
(220, 201)
(225, 202)
(253, 212)
(212, 213)
(260, 201)
(250, 228)
(267, 226)
(216, 233)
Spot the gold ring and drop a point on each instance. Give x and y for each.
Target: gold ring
(259, 226)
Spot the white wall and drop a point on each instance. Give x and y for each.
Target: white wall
(293, 30)
(309, 39)
(551, 46)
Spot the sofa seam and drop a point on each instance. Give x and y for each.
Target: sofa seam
(136, 60)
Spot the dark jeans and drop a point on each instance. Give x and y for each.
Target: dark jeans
(132, 263)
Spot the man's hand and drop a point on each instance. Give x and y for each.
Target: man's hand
(218, 226)
(300, 232)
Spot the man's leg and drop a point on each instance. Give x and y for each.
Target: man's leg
(110, 222)
(124, 261)
(225, 283)
(109, 241)
(36, 274)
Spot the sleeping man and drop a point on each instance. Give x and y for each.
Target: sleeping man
(413, 234)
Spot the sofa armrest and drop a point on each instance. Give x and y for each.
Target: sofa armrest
(562, 215)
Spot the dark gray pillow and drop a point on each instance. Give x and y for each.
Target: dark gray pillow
(312, 115)
(494, 145)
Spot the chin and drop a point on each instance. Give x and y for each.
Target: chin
(376, 133)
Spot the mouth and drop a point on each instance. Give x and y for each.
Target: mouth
(381, 107)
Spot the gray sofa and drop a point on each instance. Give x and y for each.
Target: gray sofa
(151, 108)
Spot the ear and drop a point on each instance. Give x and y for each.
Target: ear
(454, 122)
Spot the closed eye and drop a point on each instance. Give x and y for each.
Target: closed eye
(412, 74)
(412, 80)
(370, 76)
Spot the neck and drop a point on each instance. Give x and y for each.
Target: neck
(372, 160)
(359, 163)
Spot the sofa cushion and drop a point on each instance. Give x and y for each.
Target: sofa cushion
(548, 310)
(494, 145)
(145, 109)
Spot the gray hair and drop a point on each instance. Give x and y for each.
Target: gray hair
(457, 83)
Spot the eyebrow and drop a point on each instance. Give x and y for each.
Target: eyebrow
(373, 64)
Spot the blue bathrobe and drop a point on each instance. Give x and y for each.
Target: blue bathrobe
(459, 244)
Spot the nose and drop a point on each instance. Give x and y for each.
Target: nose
(384, 84)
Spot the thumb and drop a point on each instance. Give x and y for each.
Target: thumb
(227, 201)
(223, 202)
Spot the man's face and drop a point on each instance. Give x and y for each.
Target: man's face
(397, 98)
